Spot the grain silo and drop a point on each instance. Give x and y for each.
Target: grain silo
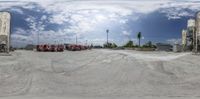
(198, 24)
(184, 39)
(5, 31)
(197, 34)
(191, 33)
(191, 28)
(191, 23)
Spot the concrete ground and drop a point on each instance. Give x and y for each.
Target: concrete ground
(99, 74)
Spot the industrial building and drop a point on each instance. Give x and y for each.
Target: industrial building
(5, 31)
(191, 36)
(163, 47)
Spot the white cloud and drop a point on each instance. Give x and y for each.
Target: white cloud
(36, 25)
(44, 17)
(123, 21)
(84, 16)
(20, 37)
(126, 33)
(17, 10)
(176, 10)
(89, 14)
(20, 31)
(142, 37)
(100, 41)
(59, 18)
(63, 9)
(121, 7)
(6, 5)
(18, 40)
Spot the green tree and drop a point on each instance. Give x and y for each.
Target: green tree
(129, 44)
(110, 45)
(149, 45)
(114, 45)
(139, 36)
(91, 46)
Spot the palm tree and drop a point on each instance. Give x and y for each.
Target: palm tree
(139, 35)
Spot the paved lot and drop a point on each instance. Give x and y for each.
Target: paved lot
(98, 74)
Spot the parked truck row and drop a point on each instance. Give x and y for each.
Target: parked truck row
(60, 47)
(74, 47)
(50, 48)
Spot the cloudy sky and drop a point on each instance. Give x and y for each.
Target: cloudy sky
(60, 21)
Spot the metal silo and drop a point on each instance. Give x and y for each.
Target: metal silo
(5, 31)
(191, 32)
(191, 23)
(198, 24)
(184, 37)
(197, 34)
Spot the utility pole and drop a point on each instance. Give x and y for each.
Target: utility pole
(86, 42)
(196, 43)
(38, 38)
(76, 40)
(107, 31)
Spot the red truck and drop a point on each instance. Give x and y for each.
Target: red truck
(60, 48)
(74, 47)
(50, 48)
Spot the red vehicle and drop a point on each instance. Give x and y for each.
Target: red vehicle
(39, 47)
(50, 48)
(83, 48)
(60, 48)
(73, 47)
(46, 48)
(78, 47)
(53, 48)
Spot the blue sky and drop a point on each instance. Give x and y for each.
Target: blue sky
(60, 21)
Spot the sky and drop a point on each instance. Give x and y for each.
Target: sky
(61, 21)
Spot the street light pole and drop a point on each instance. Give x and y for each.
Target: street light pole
(86, 42)
(38, 38)
(196, 43)
(76, 40)
(107, 31)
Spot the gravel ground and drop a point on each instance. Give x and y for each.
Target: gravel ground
(95, 74)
